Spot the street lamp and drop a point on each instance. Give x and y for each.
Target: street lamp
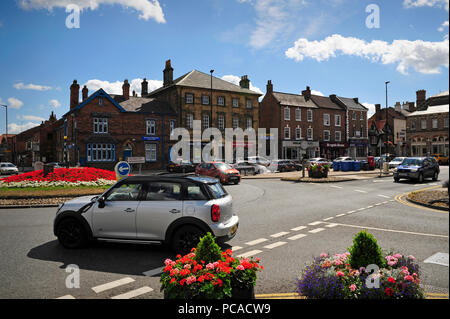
(6, 107)
(211, 98)
(387, 114)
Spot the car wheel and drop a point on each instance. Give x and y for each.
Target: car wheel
(420, 179)
(435, 176)
(396, 179)
(71, 234)
(186, 238)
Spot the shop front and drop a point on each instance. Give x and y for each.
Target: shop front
(298, 150)
(331, 150)
(358, 148)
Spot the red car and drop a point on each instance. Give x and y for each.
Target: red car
(222, 171)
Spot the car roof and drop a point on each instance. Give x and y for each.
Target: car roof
(180, 178)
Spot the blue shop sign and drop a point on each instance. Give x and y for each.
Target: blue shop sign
(151, 138)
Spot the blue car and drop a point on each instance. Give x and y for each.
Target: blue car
(417, 168)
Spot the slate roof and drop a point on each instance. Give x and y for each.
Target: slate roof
(351, 104)
(288, 99)
(199, 79)
(431, 110)
(144, 105)
(325, 102)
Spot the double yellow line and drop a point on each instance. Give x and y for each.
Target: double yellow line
(293, 295)
(401, 199)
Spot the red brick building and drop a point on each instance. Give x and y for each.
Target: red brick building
(104, 129)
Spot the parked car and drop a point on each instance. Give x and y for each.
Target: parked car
(440, 158)
(318, 160)
(417, 168)
(259, 160)
(181, 167)
(249, 168)
(149, 209)
(8, 169)
(343, 158)
(282, 166)
(396, 162)
(55, 165)
(220, 170)
(298, 165)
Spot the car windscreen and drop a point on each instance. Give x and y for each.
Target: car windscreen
(397, 159)
(10, 165)
(217, 190)
(222, 166)
(412, 162)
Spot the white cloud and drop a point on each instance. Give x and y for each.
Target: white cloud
(426, 3)
(314, 92)
(148, 9)
(14, 103)
(443, 26)
(54, 103)
(423, 56)
(116, 87)
(371, 108)
(14, 128)
(31, 86)
(236, 79)
(32, 118)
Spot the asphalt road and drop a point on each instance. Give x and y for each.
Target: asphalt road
(283, 223)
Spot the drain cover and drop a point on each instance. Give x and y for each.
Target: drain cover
(438, 258)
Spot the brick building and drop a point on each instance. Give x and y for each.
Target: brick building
(105, 128)
(6, 143)
(215, 102)
(427, 127)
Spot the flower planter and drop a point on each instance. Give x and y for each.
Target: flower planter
(236, 293)
(317, 174)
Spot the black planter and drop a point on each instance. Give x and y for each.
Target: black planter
(236, 293)
(317, 174)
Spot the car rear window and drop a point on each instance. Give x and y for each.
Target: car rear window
(217, 190)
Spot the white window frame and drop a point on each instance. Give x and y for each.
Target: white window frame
(287, 113)
(326, 119)
(235, 123)
(310, 133)
(249, 122)
(248, 103)
(287, 130)
(337, 120)
(325, 133)
(361, 117)
(309, 115)
(99, 152)
(423, 124)
(189, 98)
(337, 136)
(151, 127)
(151, 152)
(205, 121)
(298, 114)
(434, 123)
(221, 101)
(221, 121)
(100, 125)
(189, 120)
(205, 99)
(298, 133)
(235, 102)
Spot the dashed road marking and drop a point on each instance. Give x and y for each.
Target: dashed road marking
(133, 293)
(317, 230)
(331, 225)
(315, 223)
(256, 241)
(298, 228)
(368, 207)
(329, 218)
(297, 237)
(66, 297)
(334, 186)
(340, 215)
(250, 253)
(274, 245)
(360, 191)
(351, 212)
(153, 272)
(236, 248)
(279, 234)
(113, 284)
(384, 196)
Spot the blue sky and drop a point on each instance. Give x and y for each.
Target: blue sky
(325, 44)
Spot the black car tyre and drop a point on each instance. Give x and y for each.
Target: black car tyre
(420, 179)
(396, 179)
(435, 176)
(186, 238)
(71, 234)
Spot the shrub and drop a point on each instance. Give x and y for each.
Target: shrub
(208, 250)
(365, 251)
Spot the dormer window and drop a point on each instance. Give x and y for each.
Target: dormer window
(100, 100)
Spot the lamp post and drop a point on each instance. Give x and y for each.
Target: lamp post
(211, 102)
(387, 115)
(6, 107)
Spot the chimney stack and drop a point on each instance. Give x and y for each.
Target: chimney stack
(356, 100)
(421, 96)
(244, 83)
(398, 107)
(126, 90)
(74, 94)
(307, 93)
(144, 88)
(269, 87)
(84, 93)
(168, 74)
(378, 111)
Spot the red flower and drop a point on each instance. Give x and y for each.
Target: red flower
(389, 291)
(391, 280)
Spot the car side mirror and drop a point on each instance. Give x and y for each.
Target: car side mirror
(101, 202)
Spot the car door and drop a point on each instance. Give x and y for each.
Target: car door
(427, 168)
(160, 206)
(117, 219)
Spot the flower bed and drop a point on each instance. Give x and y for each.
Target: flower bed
(333, 277)
(318, 171)
(70, 177)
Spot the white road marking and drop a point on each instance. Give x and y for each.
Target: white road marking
(66, 297)
(279, 234)
(391, 230)
(360, 191)
(113, 284)
(351, 212)
(317, 230)
(331, 225)
(315, 223)
(256, 241)
(298, 228)
(334, 186)
(153, 272)
(133, 293)
(378, 204)
(297, 237)
(236, 248)
(360, 209)
(274, 245)
(250, 253)
(438, 258)
(368, 207)
(384, 196)
(340, 215)
(329, 218)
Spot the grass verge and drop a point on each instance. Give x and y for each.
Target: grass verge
(50, 192)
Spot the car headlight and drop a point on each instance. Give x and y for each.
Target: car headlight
(414, 170)
(395, 170)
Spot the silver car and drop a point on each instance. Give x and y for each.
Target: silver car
(8, 169)
(175, 210)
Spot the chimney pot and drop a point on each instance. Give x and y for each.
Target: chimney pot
(126, 90)
(269, 87)
(74, 94)
(85, 93)
(144, 87)
(307, 93)
(168, 74)
(245, 82)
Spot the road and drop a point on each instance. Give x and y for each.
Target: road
(283, 223)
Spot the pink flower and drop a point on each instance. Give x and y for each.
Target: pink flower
(409, 278)
(352, 287)
(187, 266)
(392, 263)
(340, 274)
(210, 266)
(240, 267)
(398, 256)
(323, 255)
(411, 257)
(168, 262)
(191, 280)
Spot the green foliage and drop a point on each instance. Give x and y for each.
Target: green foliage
(207, 250)
(365, 251)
